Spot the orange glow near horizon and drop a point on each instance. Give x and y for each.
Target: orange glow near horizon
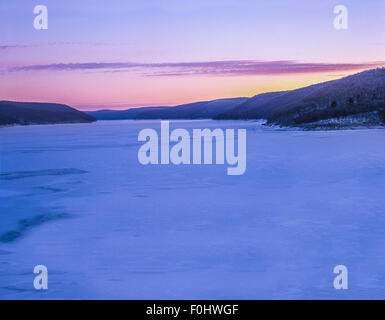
(91, 91)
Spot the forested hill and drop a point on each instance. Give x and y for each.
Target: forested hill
(358, 99)
(26, 113)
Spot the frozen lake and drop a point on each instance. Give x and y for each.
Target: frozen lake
(76, 199)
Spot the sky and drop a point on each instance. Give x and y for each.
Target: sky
(119, 54)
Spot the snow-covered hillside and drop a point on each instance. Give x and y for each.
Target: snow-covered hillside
(349, 97)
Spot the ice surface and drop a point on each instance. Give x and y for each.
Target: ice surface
(76, 199)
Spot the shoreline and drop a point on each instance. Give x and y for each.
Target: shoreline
(258, 121)
(41, 124)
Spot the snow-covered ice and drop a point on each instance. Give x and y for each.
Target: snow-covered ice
(76, 199)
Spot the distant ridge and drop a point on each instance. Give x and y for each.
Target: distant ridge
(196, 110)
(27, 113)
(356, 100)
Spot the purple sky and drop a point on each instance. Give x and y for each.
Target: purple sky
(131, 53)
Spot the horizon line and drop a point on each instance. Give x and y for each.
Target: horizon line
(128, 106)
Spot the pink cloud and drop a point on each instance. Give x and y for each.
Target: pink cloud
(233, 68)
